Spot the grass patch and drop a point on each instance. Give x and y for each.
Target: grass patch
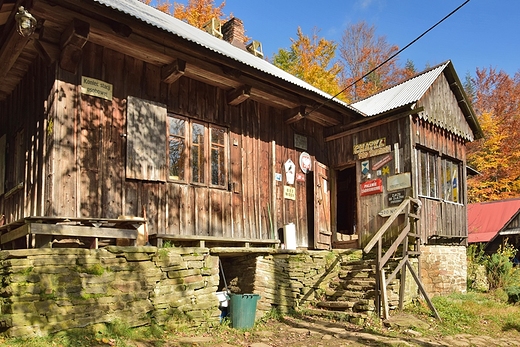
(473, 313)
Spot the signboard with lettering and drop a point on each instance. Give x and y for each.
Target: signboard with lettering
(300, 141)
(400, 181)
(381, 162)
(370, 145)
(94, 87)
(289, 192)
(396, 198)
(387, 212)
(371, 187)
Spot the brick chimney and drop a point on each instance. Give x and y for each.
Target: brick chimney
(234, 33)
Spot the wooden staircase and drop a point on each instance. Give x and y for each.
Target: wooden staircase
(362, 287)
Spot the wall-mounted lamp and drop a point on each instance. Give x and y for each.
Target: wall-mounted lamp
(25, 22)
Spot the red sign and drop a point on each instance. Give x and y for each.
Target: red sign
(387, 158)
(372, 187)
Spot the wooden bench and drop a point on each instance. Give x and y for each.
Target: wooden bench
(40, 231)
(209, 241)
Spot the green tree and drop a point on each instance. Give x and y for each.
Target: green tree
(312, 60)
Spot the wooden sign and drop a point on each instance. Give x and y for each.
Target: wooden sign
(379, 164)
(371, 187)
(370, 145)
(289, 193)
(400, 181)
(300, 177)
(387, 212)
(396, 198)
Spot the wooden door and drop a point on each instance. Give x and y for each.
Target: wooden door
(322, 227)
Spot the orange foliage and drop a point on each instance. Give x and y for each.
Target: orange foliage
(198, 12)
(361, 51)
(497, 156)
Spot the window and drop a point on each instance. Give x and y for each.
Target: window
(197, 152)
(442, 182)
(428, 174)
(450, 180)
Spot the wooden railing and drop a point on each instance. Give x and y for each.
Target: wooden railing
(410, 207)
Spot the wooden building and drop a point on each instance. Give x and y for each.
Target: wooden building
(115, 117)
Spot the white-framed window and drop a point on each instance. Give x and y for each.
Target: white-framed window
(197, 152)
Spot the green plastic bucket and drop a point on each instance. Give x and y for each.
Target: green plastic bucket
(243, 310)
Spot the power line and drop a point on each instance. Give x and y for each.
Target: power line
(387, 60)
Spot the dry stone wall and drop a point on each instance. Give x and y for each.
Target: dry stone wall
(48, 290)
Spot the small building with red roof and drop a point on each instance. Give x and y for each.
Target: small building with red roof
(494, 223)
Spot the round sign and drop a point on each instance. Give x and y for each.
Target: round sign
(305, 162)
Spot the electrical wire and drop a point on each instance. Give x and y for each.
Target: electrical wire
(387, 60)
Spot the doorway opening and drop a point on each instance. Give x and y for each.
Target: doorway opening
(346, 209)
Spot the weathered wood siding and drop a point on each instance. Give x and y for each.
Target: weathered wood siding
(394, 132)
(436, 129)
(83, 174)
(24, 116)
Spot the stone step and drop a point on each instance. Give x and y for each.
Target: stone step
(341, 316)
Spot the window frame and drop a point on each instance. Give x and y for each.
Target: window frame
(207, 146)
(428, 178)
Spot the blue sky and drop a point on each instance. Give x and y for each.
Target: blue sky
(483, 33)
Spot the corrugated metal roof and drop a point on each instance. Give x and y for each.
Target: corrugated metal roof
(400, 95)
(486, 219)
(177, 27)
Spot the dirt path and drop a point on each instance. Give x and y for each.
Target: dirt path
(292, 332)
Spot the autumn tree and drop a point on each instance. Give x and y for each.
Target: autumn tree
(497, 156)
(360, 52)
(196, 12)
(311, 59)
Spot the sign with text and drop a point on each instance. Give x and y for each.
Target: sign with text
(387, 212)
(381, 162)
(300, 141)
(400, 181)
(371, 187)
(368, 146)
(94, 87)
(396, 198)
(289, 192)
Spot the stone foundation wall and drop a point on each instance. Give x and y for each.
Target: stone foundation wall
(49, 290)
(443, 269)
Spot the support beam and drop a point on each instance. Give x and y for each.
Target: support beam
(173, 71)
(294, 114)
(10, 52)
(47, 51)
(238, 95)
(72, 41)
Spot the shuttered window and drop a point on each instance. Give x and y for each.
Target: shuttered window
(146, 140)
(197, 152)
